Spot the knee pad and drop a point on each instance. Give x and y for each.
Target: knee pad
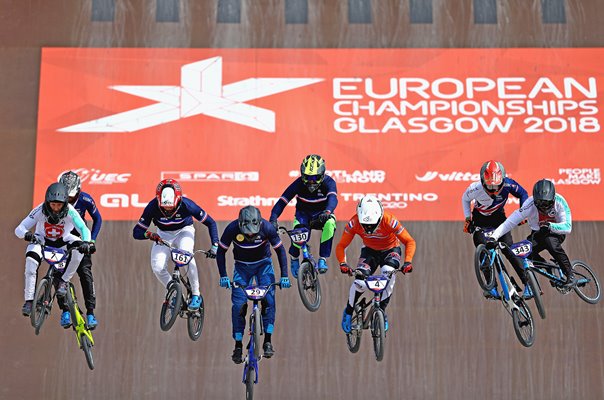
(34, 256)
(329, 229)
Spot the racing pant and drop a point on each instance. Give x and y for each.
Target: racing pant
(551, 242)
(327, 229)
(244, 273)
(493, 221)
(87, 281)
(369, 261)
(183, 239)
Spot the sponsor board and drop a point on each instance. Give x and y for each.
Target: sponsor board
(233, 125)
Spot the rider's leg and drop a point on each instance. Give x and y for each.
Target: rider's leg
(243, 276)
(553, 244)
(391, 260)
(33, 257)
(87, 281)
(74, 262)
(515, 261)
(266, 276)
(159, 260)
(327, 234)
(185, 240)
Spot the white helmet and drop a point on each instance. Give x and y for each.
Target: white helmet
(370, 212)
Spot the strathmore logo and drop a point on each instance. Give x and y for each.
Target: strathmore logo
(356, 176)
(96, 177)
(212, 176)
(454, 176)
(200, 92)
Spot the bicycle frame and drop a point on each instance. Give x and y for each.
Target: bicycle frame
(376, 284)
(299, 237)
(79, 324)
(504, 278)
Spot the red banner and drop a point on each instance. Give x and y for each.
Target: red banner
(412, 126)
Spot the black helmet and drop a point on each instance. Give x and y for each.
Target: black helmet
(249, 220)
(544, 195)
(312, 170)
(73, 183)
(57, 192)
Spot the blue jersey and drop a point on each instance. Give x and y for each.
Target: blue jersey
(187, 210)
(252, 250)
(324, 198)
(85, 203)
(487, 205)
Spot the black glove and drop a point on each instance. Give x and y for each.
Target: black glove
(324, 216)
(29, 237)
(407, 267)
(92, 248)
(84, 248)
(212, 252)
(468, 226)
(544, 228)
(361, 273)
(275, 224)
(490, 243)
(152, 236)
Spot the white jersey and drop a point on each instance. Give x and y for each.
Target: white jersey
(487, 205)
(46, 230)
(559, 218)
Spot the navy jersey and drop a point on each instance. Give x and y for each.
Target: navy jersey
(487, 205)
(250, 250)
(324, 198)
(181, 218)
(85, 203)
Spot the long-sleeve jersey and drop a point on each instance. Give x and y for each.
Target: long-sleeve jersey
(324, 198)
(389, 233)
(246, 250)
(85, 203)
(187, 210)
(53, 231)
(559, 218)
(488, 205)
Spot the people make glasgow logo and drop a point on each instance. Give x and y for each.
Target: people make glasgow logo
(200, 92)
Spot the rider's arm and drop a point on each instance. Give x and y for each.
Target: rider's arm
(566, 221)
(332, 194)
(409, 243)
(28, 222)
(510, 223)
(466, 201)
(518, 191)
(345, 240)
(275, 240)
(97, 220)
(203, 217)
(286, 197)
(144, 222)
(223, 245)
(79, 223)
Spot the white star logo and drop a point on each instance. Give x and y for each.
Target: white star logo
(200, 92)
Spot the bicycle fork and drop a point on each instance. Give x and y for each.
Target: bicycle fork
(250, 361)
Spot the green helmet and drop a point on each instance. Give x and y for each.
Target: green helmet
(312, 171)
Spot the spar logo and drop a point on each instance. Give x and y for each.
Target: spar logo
(200, 92)
(453, 176)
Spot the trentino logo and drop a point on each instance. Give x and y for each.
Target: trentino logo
(200, 92)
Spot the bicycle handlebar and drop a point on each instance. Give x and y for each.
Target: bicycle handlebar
(364, 277)
(168, 244)
(237, 285)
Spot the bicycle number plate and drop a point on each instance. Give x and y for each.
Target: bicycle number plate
(300, 236)
(522, 249)
(55, 257)
(256, 292)
(181, 257)
(377, 283)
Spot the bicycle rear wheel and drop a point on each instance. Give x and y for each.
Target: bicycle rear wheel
(534, 285)
(171, 307)
(41, 305)
(379, 334)
(309, 286)
(256, 323)
(195, 321)
(87, 348)
(249, 382)
(353, 339)
(588, 286)
(524, 325)
(485, 273)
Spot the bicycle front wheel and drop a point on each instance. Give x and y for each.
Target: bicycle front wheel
(309, 286)
(353, 339)
(171, 307)
(524, 325)
(256, 323)
(41, 305)
(195, 322)
(87, 348)
(534, 285)
(485, 273)
(588, 286)
(379, 334)
(249, 382)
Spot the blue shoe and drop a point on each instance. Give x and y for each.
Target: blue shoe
(492, 294)
(91, 321)
(194, 303)
(322, 265)
(346, 322)
(295, 266)
(528, 293)
(66, 319)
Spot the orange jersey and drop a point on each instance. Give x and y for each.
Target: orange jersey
(390, 233)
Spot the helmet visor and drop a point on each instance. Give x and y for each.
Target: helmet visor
(369, 228)
(544, 205)
(493, 189)
(249, 227)
(312, 179)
